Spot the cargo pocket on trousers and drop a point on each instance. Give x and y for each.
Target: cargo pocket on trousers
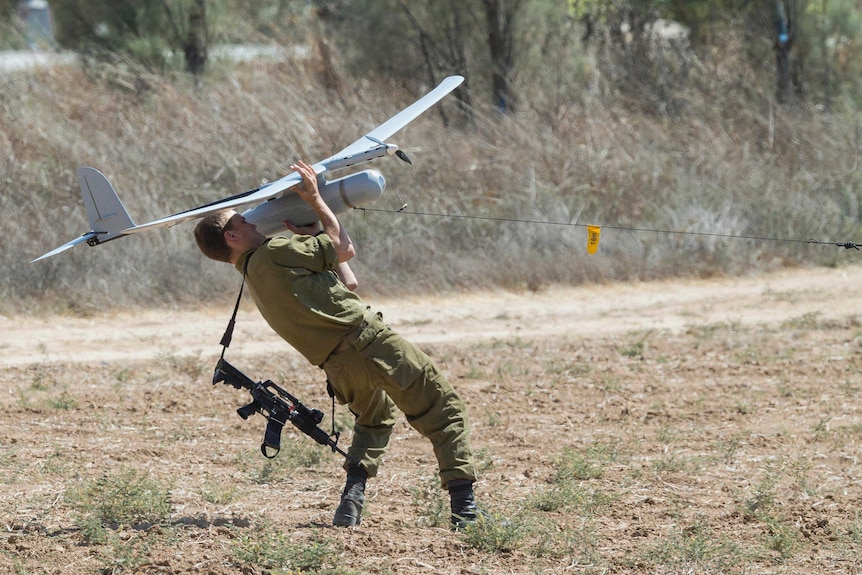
(398, 359)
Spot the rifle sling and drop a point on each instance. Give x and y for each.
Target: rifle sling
(228, 332)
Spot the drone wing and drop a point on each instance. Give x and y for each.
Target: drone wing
(251, 197)
(385, 130)
(366, 148)
(109, 220)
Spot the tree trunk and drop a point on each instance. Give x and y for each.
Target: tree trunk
(195, 45)
(500, 18)
(785, 33)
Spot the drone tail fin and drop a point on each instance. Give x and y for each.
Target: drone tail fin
(106, 213)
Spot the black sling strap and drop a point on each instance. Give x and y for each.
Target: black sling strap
(228, 333)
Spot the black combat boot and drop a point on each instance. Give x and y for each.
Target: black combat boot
(463, 501)
(349, 511)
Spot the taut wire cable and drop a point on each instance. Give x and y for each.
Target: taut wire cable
(404, 211)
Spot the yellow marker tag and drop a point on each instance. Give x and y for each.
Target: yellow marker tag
(593, 233)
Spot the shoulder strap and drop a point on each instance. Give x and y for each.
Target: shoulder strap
(228, 333)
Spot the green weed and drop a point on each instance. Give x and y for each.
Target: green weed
(429, 502)
(218, 493)
(781, 537)
(125, 554)
(474, 372)
(763, 497)
(695, 550)
(577, 545)
(125, 498)
(569, 495)
(637, 348)
(673, 462)
(296, 453)
(495, 533)
(65, 401)
(567, 368)
(270, 548)
(729, 447)
(580, 466)
(807, 321)
(854, 532)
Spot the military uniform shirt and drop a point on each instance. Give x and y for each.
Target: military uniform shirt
(293, 282)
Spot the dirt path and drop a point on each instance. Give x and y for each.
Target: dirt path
(613, 308)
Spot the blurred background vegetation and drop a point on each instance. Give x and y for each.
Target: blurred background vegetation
(706, 137)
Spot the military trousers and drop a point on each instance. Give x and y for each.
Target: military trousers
(381, 371)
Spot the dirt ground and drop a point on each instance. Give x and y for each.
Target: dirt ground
(698, 426)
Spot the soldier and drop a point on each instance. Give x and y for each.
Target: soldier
(298, 284)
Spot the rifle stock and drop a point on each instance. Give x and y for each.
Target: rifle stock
(279, 407)
(227, 373)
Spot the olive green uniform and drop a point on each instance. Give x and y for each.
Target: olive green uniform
(296, 290)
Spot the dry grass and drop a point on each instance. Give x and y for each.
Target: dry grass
(726, 162)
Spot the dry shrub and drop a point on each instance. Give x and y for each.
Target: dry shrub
(668, 190)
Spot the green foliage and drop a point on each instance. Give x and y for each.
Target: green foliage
(583, 465)
(270, 548)
(150, 32)
(764, 506)
(12, 35)
(428, 502)
(126, 498)
(637, 348)
(243, 22)
(436, 38)
(854, 532)
(831, 50)
(569, 495)
(7, 9)
(122, 552)
(152, 52)
(219, 493)
(93, 531)
(65, 401)
(781, 537)
(567, 492)
(696, 549)
(431, 38)
(83, 24)
(548, 32)
(297, 453)
(495, 533)
(763, 498)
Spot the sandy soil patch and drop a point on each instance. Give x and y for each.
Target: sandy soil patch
(700, 426)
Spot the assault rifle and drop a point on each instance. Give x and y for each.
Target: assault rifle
(279, 407)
